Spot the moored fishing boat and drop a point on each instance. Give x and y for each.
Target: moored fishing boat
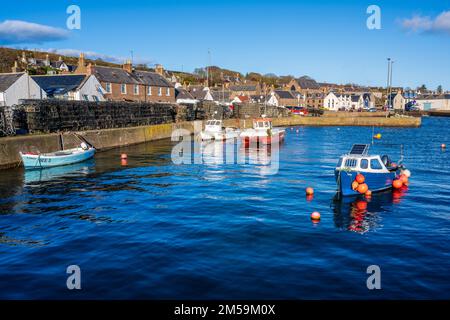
(358, 172)
(59, 158)
(215, 131)
(262, 133)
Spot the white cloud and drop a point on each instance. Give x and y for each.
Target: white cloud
(440, 24)
(21, 32)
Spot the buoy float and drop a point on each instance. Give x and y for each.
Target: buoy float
(315, 216)
(397, 184)
(297, 131)
(123, 156)
(124, 162)
(443, 146)
(360, 178)
(309, 191)
(362, 188)
(355, 185)
(368, 194)
(403, 179)
(407, 173)
(377, 136)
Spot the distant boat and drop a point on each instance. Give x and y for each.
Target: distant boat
(215, 131)
(379, 172)
(59, 158)
(262, 133)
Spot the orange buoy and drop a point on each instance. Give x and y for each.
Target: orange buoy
(368, 194)
(362, 188)
(124, 162)
(397, 184)
(443, 146)
(360, 178)
(315, 216)
(123, 156)
(309, 191)
(403, 178)
(355, 185)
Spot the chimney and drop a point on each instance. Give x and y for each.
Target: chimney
(15, 69)
(128, 66)
(81, 68)
(90, 69)
(159, 69)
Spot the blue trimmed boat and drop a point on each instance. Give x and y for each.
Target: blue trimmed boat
(59, 158)
(379, 171)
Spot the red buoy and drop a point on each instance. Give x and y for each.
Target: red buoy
(397, 184)
(362, 188)
(315, 216)
(309, 191)
(360, 178)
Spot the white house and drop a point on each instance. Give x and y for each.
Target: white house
(336, 101)
(434, 102)
(17, 86)
(71, 87)
(357, 102)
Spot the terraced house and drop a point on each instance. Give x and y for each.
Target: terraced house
(128, 84)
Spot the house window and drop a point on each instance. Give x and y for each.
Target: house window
(95, 98)
(159, 91)
(136, 89)
(123, 88)
(108, 87)
(85, 97)
(149, 91)
(168, 92)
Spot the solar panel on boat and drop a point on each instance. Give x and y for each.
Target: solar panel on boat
(360, 149)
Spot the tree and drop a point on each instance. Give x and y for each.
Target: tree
(423, 88)
(439, 89)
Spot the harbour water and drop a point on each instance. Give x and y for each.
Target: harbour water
(152, 229)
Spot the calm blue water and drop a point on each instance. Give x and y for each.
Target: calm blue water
(156, 230)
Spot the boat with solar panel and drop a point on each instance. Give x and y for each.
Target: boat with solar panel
(374, 171)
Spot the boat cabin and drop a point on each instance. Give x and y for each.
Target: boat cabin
(262, 124)
(213, 126)
(359, 160)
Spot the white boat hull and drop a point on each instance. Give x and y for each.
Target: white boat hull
(55, 159)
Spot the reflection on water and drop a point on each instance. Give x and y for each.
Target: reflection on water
(360, 214)
(42, 175)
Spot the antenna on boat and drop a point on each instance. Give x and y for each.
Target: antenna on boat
(373, 133)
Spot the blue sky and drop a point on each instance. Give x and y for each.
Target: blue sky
(327, 40)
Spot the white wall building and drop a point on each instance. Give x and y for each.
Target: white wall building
(441, 102)
(17, 86)
(71, 87)
(336, 101)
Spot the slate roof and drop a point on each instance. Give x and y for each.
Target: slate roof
(199, 94)
(8, 79)
(181, 93)
(284, 94)
(243, 87)
(355, 98)
(60, 84)
(307, 83)
(119, 75)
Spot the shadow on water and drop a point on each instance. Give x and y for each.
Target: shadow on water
(360, 214)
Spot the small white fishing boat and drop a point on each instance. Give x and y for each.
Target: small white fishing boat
(262, 133)
(59, 158)
(215, 131)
